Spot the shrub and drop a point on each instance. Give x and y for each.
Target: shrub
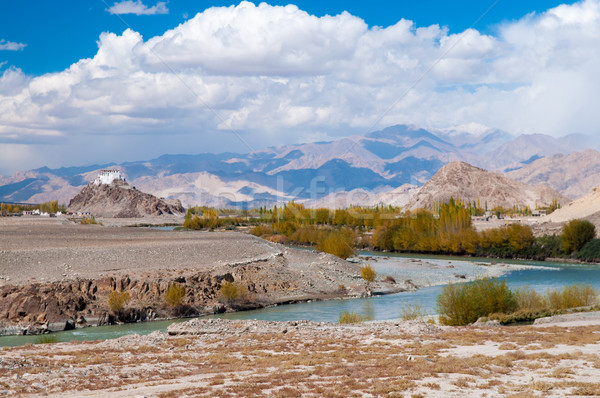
(572, 297)
(368, 273)
(261, 230)
(464, 304)
(576, 234)
(529, 299)
(46, 339)
(337, 243)
(524, 315)
(88, 220)
(118, 300)
(277, 239)
(410, 312)
(589, 252)
(350, 317)
(174, 294)
(231, 292)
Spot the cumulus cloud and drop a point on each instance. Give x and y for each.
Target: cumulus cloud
(11, 46)
(278, 74)
(138, 8)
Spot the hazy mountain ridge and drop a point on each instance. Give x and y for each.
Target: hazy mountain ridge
(573, 175)
(377, 162)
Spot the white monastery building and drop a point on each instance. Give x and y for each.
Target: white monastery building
(108, 176)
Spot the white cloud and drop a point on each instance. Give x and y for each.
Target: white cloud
(278, 75)
(138, 8)
(11, 46)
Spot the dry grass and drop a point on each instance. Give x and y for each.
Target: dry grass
(344, 363)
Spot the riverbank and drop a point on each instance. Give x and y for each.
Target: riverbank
(56, 275)
(292, 359)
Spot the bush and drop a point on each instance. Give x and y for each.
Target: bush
(230, 292)
(46, 339)
(576, 234)
(277, 239)
(528, 299)
(589, 252)
(464, 304)
(410, 312)
(88, 220)
(261, 230)
(174, 294)
(368, 273)
(572, 297)
(519, 316)
(350, 317)
(338, 243)
(118, 300)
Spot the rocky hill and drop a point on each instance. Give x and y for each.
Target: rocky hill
(573, 175)
(587, 207)
(120, 200)
(460, 180)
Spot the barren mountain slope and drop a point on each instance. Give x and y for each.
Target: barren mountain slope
(460, 180)
(573, 175)
(585, 207)
(119, 199)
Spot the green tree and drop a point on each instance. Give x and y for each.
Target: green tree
(576, 234)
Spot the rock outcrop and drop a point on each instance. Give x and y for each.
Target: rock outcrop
(41, 307)
(120, 200)
(460, 180)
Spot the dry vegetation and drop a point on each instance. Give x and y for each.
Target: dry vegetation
(409, 359)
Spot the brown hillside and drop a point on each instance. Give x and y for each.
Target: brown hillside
(587, 207)
(460, 180)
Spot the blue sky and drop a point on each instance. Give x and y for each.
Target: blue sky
(58, 34)
(135, 79)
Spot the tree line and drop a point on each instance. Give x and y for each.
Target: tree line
(446, 230)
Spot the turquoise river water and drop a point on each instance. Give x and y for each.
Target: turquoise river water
(543, 276)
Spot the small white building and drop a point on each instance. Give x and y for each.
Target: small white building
(108, 176)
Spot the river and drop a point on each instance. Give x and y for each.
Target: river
(541, 276)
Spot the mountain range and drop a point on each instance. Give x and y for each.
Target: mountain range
(376, 163)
